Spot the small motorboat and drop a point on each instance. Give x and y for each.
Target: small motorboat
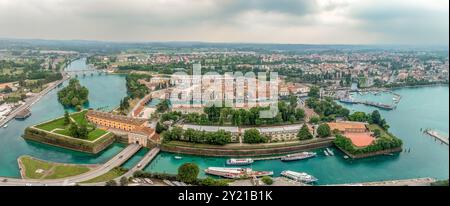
(247, 161)
(178, 157)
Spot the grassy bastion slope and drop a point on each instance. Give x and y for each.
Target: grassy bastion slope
(35, 134)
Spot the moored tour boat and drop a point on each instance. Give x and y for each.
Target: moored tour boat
(298, 156)
(236, 173)
(299, 176)
(240, 161)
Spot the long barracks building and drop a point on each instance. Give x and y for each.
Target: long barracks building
(136, 129)
(114, 121)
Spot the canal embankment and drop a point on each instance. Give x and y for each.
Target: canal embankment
(391, 151)
(244, 150)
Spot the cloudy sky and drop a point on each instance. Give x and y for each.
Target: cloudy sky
(258, 21)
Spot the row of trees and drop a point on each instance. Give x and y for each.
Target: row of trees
(253, 136)
(373, 118)
(327, 108)
(124, 104)
(224, 115)
(220, 137)
(323, 131)
(134, 88)
(75, 130)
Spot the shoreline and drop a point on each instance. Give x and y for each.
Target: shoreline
(34, 99)
(416, 86)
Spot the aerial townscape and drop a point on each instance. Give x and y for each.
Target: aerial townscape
(181, 113)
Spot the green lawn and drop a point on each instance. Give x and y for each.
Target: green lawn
(62, 171)
(31, 166)
(80, 117)
(112, 174)
(384, 134)
(63, 132)
(50, 170)
(96, 134)
(93, 135)
(55, 124)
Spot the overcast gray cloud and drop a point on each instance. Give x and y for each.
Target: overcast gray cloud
(276, 21)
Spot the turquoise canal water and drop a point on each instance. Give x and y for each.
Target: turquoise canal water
(105, 91)
(426, 107)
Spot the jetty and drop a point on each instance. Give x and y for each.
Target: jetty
(369, 103)
(437, 136)
(407, 182)
(268, 158)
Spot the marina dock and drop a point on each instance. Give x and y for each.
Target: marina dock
(268, 158)
(437, 136)
(369, 103)
(408, 182)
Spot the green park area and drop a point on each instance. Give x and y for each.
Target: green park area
(77, 126)
(39, 169)
(377, 130)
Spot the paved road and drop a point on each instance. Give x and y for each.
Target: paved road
(144, 162)
(131, 113)
(33, 100)
(116, 161)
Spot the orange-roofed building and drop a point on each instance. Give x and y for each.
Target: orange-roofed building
(348, 127)
(360, 139)
(357, 132)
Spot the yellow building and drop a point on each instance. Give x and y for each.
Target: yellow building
(136, 129)
(115, 121)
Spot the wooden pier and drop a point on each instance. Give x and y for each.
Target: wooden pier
(268, 158)
(437, 136)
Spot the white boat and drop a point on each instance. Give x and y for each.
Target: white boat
(5, 126)
(148, 181)
(346, 157)
(326, 153)
(298, 156)
(236, 173)
(178, 157)
(299, 176)
(247, 161)
(330, 151)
